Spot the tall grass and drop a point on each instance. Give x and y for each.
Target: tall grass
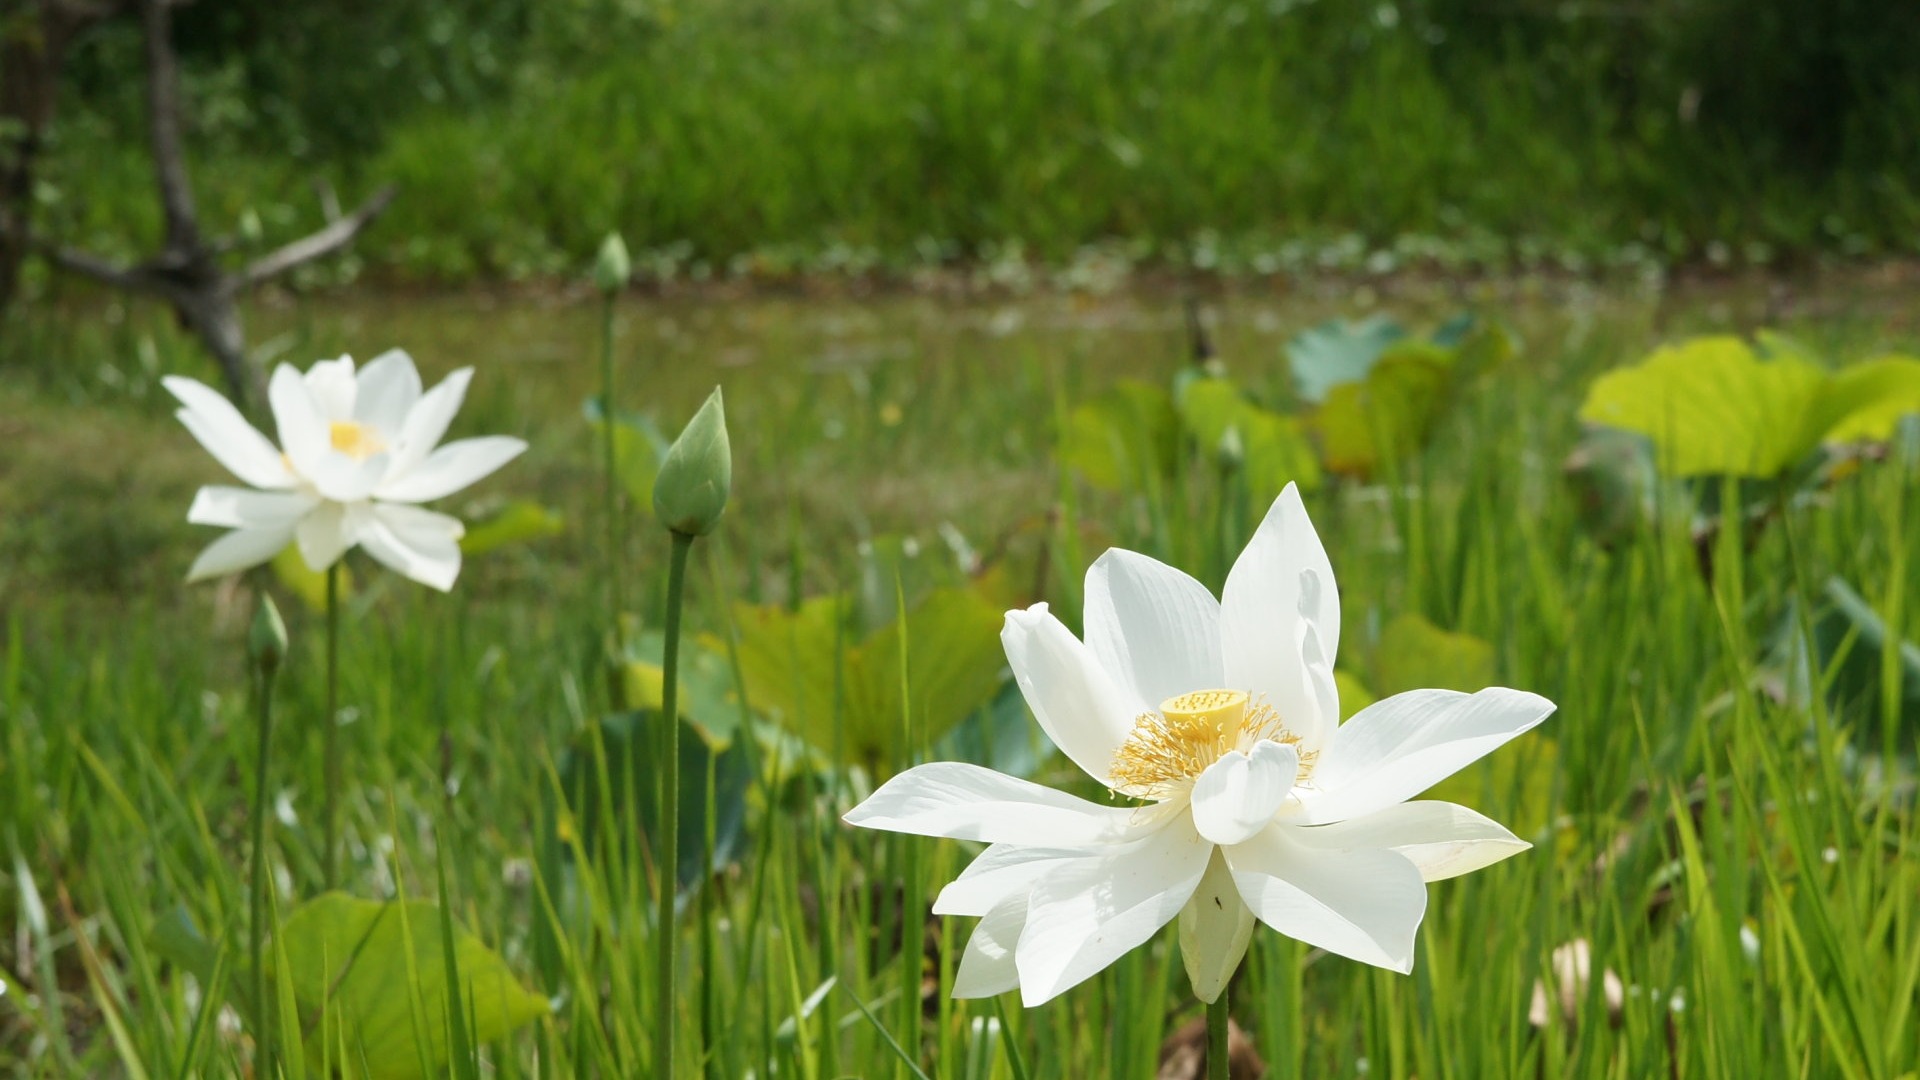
(1744, 866)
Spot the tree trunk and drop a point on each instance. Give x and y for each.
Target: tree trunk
(34, 37)
(187, 271)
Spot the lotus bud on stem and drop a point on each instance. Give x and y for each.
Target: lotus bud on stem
(689, 496)
(697, 475)
(611, 269)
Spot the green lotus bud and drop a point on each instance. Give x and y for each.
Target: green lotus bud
(267, 638)
(691, 491)
(1231, 451)
(613, 267)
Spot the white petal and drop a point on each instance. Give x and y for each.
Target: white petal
(1395, 749)
(238, 550)
(1215, 928)
(242, 508)
(417, 543)
(1238, 795)
(340, 478)
(967, 802)
(1317, 664)
(1078, 705)
(1001, 871)
(427, 421)
(1365, 905)
(333, 388)
(1153, 627)
(233, 442)
(303, 430)
(1441, 839)
(323, 536)
(987, 967)
(1093, 911)
(451, 468)
(1260, 609)
(389, 387)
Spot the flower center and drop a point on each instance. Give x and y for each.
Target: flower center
(357, 441)
(1167, 750)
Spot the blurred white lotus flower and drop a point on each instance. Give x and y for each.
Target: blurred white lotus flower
(1222, 718)
(359, 452)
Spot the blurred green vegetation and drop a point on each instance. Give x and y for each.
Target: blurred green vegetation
(749, 137)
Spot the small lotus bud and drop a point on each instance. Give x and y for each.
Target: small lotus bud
(1231, 451)
(267, 639)
(691, 491)
(613, 267)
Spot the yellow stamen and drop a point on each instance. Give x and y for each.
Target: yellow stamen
(357, 441)
(1169, 749)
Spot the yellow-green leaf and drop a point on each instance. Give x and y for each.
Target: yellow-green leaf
(1513, 785)
(1123, 440)
(1388, 414)
(515, 523)
(787, 662)
(1713, 407)
(366, 962)
(954, 663)
(1272, 449)
(1354, 694)
(1413, 653)
(309, 586)
(1864, 403)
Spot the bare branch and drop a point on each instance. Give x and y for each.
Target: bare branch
(315, 245)
(140, 278)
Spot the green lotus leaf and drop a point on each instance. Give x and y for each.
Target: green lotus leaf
(1713, 407)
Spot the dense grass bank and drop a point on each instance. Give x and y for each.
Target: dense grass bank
(1738, 852)
(778, 138)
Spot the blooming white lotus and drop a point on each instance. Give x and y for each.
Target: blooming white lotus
(359, 453)
(1221, 719)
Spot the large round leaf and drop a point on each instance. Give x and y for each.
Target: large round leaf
(1713, 407)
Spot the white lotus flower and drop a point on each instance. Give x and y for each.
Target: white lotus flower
(359, 453)
(1222, 719)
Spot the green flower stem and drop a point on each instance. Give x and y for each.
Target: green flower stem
(257, 901)
(669, 831)
(330, 735)
(610, 497)
(1217, 1038)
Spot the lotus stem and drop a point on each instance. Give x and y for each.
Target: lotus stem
(1217, 1024)
(330, 736)
(258, 898)
(669, 829)
(610, 496)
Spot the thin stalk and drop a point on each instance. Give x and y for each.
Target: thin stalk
(1217, 1038)
(257, 902)
(610, 495)
(330, 734)
(669, 860)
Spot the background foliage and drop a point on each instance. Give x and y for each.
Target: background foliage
(744, 136)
